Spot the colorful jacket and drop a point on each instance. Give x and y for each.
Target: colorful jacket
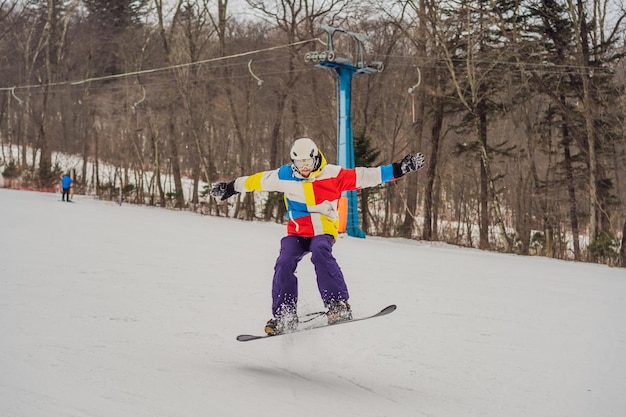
(312, 202)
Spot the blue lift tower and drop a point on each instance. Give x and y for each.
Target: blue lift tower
(345, 70)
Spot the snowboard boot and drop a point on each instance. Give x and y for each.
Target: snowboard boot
(338, 311)
(285, 323)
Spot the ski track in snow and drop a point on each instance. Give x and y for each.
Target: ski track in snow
(129, 311)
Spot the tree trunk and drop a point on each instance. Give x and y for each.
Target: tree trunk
(623, 248)
(410, 210)
(175, 159)
(45, 157)
(571, 189)
(363, 201)
(157, 168)
(429, 215)
(481, 130)
(96, 154)
(487, 181)
(549, 238)
(589, 111)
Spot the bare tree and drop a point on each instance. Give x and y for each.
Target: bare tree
(57, 18)
(472, 80)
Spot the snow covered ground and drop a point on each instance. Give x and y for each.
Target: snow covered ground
(127, 311)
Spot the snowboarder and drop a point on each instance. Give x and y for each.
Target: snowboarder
(66, 182)
(312, 188)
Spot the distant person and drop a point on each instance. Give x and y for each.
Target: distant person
(66, 183)
(312, 189)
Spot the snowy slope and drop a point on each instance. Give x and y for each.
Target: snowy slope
(126, 311)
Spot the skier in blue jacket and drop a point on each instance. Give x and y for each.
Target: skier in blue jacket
(66, 182)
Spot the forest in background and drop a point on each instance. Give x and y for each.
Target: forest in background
(518, 106)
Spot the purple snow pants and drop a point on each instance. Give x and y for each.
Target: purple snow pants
(330, 280)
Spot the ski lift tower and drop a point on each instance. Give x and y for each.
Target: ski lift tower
(345, 70)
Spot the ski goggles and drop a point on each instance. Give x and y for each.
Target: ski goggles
(304, 163)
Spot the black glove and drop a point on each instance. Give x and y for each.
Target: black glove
(223, 190)
(408, 164)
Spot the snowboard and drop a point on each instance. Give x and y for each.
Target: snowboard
(249, 337)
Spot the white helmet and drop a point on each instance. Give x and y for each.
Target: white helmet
(304, 153)
(303, 148)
